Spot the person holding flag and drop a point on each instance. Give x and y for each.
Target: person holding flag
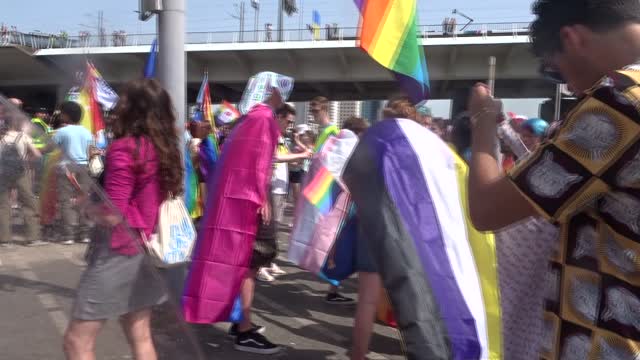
(326, 128)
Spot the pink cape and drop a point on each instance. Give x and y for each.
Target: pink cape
(228, 228)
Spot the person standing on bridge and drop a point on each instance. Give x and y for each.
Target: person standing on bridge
(320, 111)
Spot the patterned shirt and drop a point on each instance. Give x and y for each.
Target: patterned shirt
(586, 178)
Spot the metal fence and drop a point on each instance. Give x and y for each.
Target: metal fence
(45, 41)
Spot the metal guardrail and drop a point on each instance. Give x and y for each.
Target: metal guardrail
(45, 41)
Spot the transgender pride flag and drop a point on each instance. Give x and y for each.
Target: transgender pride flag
(440, 273)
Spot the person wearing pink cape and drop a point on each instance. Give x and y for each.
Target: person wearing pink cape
(237, 199)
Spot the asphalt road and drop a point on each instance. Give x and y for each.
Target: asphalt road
(37, 289)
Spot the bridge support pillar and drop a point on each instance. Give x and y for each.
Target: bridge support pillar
(171, 56)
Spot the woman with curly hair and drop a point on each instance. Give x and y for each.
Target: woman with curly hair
(143, 168)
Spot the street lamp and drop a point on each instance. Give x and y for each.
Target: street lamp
(456, 11)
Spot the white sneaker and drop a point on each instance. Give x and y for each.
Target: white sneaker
(263, 275)
(68, 242)
(85, 241)
(275, 270)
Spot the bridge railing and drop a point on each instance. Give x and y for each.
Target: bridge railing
(46, 41)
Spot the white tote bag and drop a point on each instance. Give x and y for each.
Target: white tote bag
(173, 242)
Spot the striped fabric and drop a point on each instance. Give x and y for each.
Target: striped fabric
(440, 273)
(388, 33)
(314, 232)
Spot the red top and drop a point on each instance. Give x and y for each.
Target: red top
(133, 189)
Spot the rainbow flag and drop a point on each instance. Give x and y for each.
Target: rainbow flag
(322, 190)
(388, 33)
(87, 98)
(191, 186)
(204, 100)
(226, 114)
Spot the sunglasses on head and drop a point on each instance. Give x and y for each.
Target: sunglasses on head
(551, 74)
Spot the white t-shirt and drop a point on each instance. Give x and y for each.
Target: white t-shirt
(21, 139)
(280, 177)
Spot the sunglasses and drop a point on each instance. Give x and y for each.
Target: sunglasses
(550, 74)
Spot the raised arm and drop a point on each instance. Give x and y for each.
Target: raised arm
(494, 201)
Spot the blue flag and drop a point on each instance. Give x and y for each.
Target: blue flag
(150, 68)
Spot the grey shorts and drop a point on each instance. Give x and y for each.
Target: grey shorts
(114, 285)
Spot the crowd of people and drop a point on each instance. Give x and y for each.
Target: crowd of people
(426, 198)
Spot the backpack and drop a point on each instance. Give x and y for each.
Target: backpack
(12, 164)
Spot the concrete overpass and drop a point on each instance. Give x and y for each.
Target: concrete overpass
(334, 67)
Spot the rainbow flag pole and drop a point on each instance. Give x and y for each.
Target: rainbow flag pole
(388, 33)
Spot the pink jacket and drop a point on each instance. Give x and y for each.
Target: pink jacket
(134, 190)
(228, 229)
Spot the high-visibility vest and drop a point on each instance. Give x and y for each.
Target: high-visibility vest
(41, 141)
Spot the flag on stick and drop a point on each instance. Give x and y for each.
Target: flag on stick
(388, 33)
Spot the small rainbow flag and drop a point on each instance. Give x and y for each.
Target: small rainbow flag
(226, 114)
(322, 190)
(388, 33)
(204, 100)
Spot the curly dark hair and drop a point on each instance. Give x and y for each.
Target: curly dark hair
(145, 110)
(597, 15)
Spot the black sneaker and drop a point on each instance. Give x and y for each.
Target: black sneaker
(337, 299)
(233, 330)
(253, 342)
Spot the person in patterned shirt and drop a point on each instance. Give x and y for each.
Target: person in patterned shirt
(585, 178)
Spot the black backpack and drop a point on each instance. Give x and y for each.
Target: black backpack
(12, 164)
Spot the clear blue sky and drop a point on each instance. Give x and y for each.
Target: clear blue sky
(213, 15)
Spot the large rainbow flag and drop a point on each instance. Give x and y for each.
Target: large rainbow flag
(94, 92)
(208, 154)
(440, 273)
(92, 115)
(388, 33)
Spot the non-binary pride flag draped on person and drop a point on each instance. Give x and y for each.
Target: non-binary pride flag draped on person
(409, 188)
(388, 33)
